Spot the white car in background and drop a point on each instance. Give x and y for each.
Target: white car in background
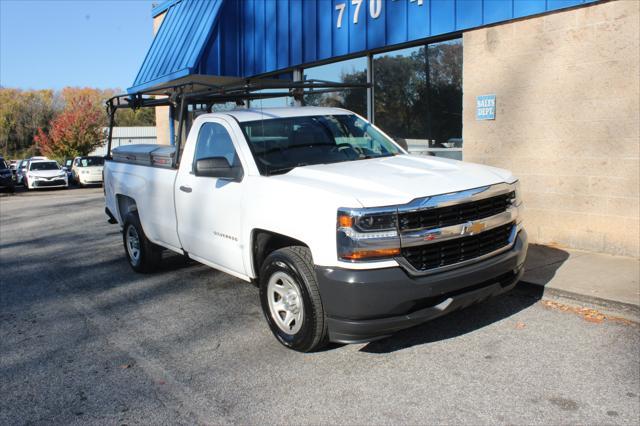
(45, 174)
(87, 170)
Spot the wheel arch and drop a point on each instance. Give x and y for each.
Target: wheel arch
(264, 242)
(125, 205)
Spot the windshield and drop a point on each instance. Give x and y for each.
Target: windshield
(3, 164)
(281, 144)
(44, 165)
(91, 161)
(68, 163)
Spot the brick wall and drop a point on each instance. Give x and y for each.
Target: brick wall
(567, 120)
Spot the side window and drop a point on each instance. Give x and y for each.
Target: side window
(214, 141)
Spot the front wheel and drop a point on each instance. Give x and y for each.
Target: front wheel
(291, 300)
(143, 255)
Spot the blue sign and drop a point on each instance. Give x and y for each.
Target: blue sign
(486, 107)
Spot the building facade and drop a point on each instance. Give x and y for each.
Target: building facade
(546, 88)
(127, 136)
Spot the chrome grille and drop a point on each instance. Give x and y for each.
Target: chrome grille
(449, 252)
(451, 215)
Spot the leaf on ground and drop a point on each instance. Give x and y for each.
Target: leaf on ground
(520, 325)
(587, 314)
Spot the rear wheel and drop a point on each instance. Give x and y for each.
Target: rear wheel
(291, 300)
(143, 255)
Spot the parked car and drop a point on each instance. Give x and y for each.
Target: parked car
(45, 174)
(6, 176)
(21, 169)
(87, 170)
(348, 236)
(67, 166)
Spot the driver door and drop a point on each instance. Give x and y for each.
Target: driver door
(208, 208)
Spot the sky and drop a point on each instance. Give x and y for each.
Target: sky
(50, 44)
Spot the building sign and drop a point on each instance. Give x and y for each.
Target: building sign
(486, 107)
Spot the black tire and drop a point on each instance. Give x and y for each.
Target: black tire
(149, 254)
(297, 263)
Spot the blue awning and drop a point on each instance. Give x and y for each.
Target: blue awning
(179, 43)
(220, 40)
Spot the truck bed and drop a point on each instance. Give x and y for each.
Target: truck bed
(148, 182)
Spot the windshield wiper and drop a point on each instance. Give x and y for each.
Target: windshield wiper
(368, 156)
(285, 169)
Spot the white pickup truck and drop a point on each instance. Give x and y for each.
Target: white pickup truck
(348, 237)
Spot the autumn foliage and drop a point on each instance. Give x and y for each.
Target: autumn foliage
(59, 124)
(77, 130)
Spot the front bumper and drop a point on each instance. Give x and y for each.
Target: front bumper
(90, 179)
(363, 305)
(49, 183)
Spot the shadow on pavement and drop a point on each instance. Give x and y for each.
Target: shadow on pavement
(460, 322)
(542, 263)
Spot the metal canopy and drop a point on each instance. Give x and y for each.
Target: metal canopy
(179, 43)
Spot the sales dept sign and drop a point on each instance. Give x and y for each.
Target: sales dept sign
(486, 107)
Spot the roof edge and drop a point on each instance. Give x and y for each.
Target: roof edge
(162, 7)
(162, 79)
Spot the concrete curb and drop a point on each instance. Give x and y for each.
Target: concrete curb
(622, 309)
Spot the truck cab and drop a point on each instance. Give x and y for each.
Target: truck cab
(348, 237)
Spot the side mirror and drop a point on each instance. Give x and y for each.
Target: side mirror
(218, 167)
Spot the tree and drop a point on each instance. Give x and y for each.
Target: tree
(22, 113)
(141, 117)
(77, 130)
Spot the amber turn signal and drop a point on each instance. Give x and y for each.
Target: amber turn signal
(372, 254)
(345, 221)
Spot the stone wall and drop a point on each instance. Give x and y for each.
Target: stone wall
(567, 120)
(162, 113)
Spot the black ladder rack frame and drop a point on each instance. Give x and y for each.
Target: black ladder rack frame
(180, 96)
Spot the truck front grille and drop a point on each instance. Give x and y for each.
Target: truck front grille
(453, 215)
(435, 255)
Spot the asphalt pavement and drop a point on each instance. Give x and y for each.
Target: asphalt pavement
(84, 339)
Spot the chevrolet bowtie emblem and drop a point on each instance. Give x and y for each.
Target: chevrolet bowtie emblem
(473, 228)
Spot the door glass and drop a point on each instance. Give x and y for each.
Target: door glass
(214, 141)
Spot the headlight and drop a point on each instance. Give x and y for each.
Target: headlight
(367, 234)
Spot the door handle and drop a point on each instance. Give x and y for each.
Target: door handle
(185, 188)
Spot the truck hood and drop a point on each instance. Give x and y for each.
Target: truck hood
(396, 180)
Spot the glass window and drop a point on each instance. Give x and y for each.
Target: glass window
(91, 161)
(283, 101)
(214, 141)
(281, 144)
(349, 71)
(44, 165)
(418, 97)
